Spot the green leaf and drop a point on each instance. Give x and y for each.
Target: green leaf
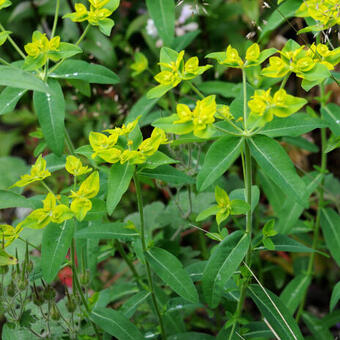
(116, 324)
(286, 10)
(50, 109)
(222, 264)
(223, 88)
(317, 327)
(330, 222)
(157, 159)
(9, 199)
(107, 231)
(331, 113)
(6, 259)
(119, 180)
(284, 243)
(239, 207)
(54, 162)
(183, 41)
(55, 243)
(213, 210)
(130, 306)
(294, 292)
(167, 124)
(168, 174)
(239, 194)
(9, 98)
(293, 126)
(335, 296)
(191, 336)
(158, 91)
(220, 156)
(14, 77)
(143, 106)
(276, 313)
(171, 272)
(79, 69)
(162, 13)
(274, 161)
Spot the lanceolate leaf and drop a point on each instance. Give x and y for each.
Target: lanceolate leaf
(99, 230)
(91, 73)
(276, 164)
(317, 327)
(116, 324)
(119, 180)
(141, 108)
(331, 113)
(14, 77)
(172, 273)
(191, 336)
(276, 313)
(330, 222)
(162, 13)
(50, 109)
(9, 199)
(222, 264)
(9, 98)
(295, 125)
(55, 243)
(294, 292)
(168, 174)
(130, 306)
(335, 296)
(218, 159)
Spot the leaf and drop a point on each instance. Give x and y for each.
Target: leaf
(220, 156)
(50, 109)
(143, 106)
(9, 98)
(171, 272)
(107, 231)
(286, 10)
(276, 164)
(331, 113)
(116, 324)
(222, 264)
(119, 179)
(54, 162)
(183, 41)
(223, 88)
(6, 259)
(191, 336)
(293, 126)
(14, 77)
(9, 199)
(240, 194)
(330, 222)
(335, 296)
(162, 13)
(168, 174)
(276, 313)
(284, 243)
(55, 243)
(81, 70)
(316, 327)
(130, 306)
(294, 292)
(157, 159)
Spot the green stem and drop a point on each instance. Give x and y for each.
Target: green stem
(76, 285)
(147, 265)
(244, 82)
(3, 61)
(77, 43)
(69, 143)
(247, 169)
(284, 81)
(195, 89)
(320, 205)
(56, 16)
(16, 47)
(29, 243)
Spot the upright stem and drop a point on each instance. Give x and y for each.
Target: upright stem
(148, 269)
(16, 47)
(244, 82)
(247, 169)
(195, 89)
(56, 16)
(76, 286)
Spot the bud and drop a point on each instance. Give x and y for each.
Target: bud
(55, 315)
(71, 305)
(49, 293)
(4, 270)
(85, 278)
(22, 285)
(11, 289)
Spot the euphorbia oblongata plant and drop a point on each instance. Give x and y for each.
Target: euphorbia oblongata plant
(209, 225)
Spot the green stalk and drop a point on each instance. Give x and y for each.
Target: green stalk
(77, 43)
(16, 47)
(195, 89)
(76, 286)
(284, 81)
(147, 265)
(247, 171)
(3, 61)
(321, 202)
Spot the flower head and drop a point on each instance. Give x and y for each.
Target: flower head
(5, 3)
(38, 173)
(75, 167)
